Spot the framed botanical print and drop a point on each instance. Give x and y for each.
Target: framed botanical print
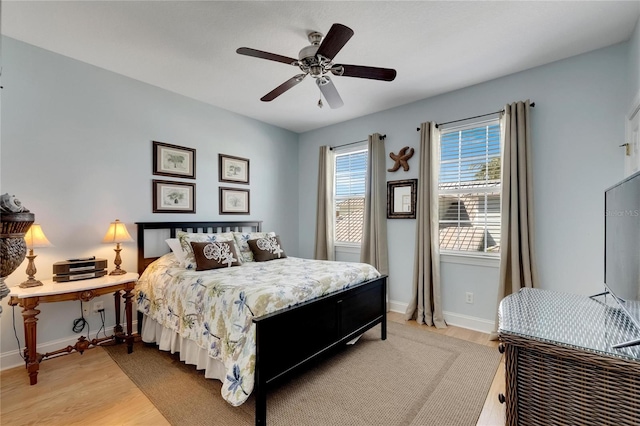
(233, 169)
(234, 201)
(174, 160)
(174, 197)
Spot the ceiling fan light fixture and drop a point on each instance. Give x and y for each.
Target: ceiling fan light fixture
(317, 60)
(316, 71)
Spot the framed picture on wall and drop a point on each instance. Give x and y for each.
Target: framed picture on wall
(234, 201)
(233, 169)
(174, 160)
(174, 197)
(401, 199)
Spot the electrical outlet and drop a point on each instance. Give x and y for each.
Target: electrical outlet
(97, 306)
(468, 297)
(85, 308)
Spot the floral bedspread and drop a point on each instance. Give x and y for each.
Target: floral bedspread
(215, 308)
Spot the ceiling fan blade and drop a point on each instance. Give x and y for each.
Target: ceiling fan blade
(334, 41)
(329, 92)
(374, 73)
(283, 88)
(266, 55)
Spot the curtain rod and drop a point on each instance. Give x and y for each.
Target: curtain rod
(532, 105)
(382, 137)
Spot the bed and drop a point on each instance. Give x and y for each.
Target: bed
(278, 336)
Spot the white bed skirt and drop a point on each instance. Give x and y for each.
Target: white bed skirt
(190, 353)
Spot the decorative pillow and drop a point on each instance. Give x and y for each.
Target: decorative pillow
(215, 255)
(186, 238)
(243, 248)
(268, 248)
(176, 248)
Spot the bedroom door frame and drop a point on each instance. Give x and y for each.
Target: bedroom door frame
(632, 138)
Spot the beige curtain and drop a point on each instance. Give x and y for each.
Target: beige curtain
(324, 249)
(517, 260)
(374, 250)
(426, 303)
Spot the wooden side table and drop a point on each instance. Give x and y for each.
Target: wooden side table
(85, 290)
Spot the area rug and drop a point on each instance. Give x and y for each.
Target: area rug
(415, 377)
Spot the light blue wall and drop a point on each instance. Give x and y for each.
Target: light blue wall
(578, 123)
(76, 150)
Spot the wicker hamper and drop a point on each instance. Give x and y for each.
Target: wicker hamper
(560, 367)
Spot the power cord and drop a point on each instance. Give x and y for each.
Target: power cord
(15, 332)
(80, 323)
(103, 328)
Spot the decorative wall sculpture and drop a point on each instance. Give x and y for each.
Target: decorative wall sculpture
(401, 159)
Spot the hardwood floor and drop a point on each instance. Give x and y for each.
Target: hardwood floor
(91, 389)
(75, 390)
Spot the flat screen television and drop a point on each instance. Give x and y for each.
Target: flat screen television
(622, 247)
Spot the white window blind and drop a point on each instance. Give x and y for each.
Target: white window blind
(350, 175)
(469, 188)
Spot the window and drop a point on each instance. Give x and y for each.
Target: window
(469, 188)
(350, 175)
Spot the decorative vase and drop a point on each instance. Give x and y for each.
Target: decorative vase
(13, 248)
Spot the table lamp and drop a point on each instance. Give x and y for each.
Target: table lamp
(34, 238)
(117, 233)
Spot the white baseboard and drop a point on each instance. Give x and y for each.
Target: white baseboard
(13, 359)
(395, 306)
(472, 323)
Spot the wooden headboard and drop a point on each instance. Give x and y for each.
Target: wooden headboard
(198, 227)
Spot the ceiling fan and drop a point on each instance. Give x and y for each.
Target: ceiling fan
(317, 60)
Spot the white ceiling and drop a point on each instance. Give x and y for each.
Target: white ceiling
(189, 47)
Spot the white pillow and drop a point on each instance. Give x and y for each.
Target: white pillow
(176, 248)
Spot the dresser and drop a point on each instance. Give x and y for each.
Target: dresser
(561, 368)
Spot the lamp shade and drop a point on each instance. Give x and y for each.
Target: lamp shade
(117, 233)
(36, 238)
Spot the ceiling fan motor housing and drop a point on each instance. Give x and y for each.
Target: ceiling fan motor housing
(309, 61)
(308, 52)
(313, 64)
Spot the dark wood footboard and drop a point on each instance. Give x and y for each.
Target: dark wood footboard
(287, 339)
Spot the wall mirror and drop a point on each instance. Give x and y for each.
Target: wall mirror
(401, 199)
